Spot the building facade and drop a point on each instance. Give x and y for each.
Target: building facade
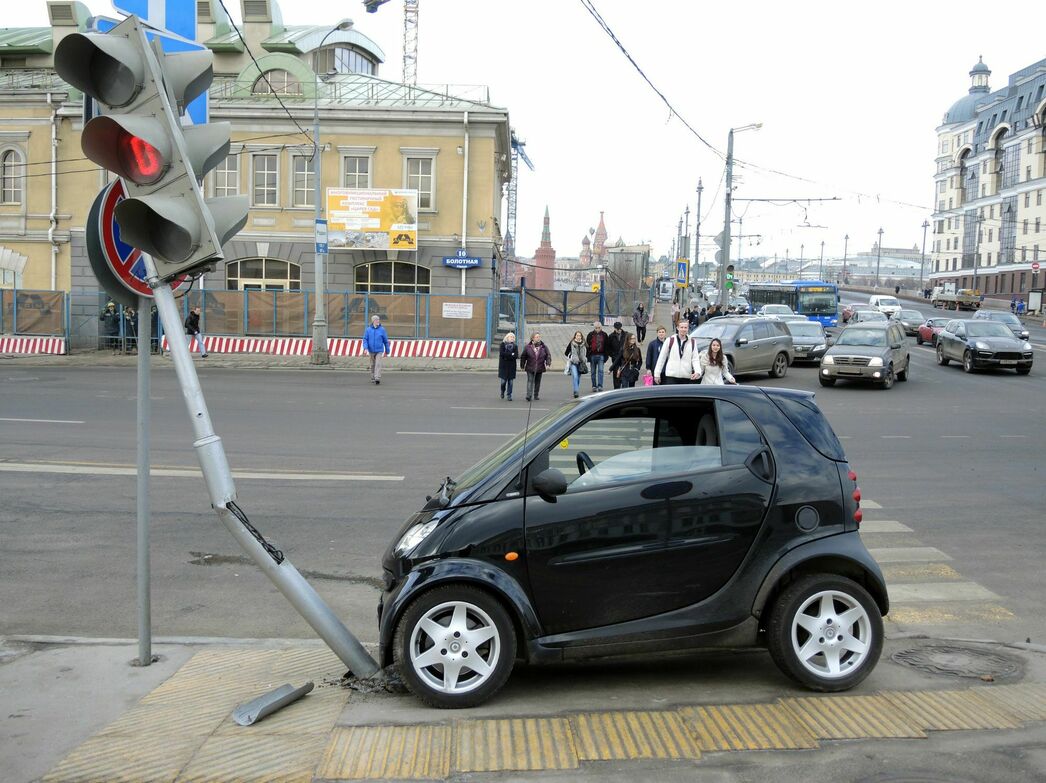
(451, 145)
(989, 222)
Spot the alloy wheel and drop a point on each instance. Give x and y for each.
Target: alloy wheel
(967, 362)
(454, 647)
(831, 634)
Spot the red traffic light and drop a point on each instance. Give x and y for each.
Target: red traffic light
(140, 161)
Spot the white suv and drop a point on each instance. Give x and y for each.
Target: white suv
(885, 304)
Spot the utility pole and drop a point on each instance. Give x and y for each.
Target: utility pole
(686, 233)
(922, 261)
(724, 252)
(802, 255)
(820, 266)
(846, 246)
(697, 225)
(878, 257)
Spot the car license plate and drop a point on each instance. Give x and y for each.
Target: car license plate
(1007, 362)
(801, 349)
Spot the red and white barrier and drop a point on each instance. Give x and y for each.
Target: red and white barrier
(342, 346)
(32, 345)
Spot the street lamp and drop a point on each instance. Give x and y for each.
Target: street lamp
(846, 246)
(922, 261)
(320, 352)
(724, 260)
(802, 253)
(878, 257)
(820, 266)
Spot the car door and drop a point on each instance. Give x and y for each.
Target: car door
(898, 353)
(746, 351)
(661, 520)
(947, 339)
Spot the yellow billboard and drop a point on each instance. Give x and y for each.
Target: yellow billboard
(372, 219)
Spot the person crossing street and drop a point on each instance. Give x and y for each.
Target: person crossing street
(678, 359)
(376, 345)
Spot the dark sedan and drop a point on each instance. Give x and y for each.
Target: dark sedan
(927, 332)
(1009, 319)
(982, 344)
(910, 320)
(809, 341)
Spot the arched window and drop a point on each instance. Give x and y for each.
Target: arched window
(392, 277)
(262, 274)
(12, 172)
(342, 59)
(280, 82)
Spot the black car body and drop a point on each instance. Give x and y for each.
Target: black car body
(696, 542)
(911, 320)
(982, 344)
(809, 341)
(1009, 319)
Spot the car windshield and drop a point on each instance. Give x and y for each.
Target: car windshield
(911, 315)
(888, 301)
(873, 337)
(873, 315)
(478, 472)
(714, 328)
(817, 304)
(987, 329)
(777, 309)
(938, 321)
(808, 329)
(1006, 318)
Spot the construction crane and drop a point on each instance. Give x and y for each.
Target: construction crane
(410, 36)
(517, 153)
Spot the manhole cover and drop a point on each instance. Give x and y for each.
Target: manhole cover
(959, 661)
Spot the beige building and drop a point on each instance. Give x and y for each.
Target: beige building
(989, 225)
(451, 144)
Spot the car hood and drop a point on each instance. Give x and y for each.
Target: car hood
(999, 343)
(805, 341)
(856, 350)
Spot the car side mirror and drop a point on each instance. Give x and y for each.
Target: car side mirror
(895, 346)
(549, 483)
(742, 341)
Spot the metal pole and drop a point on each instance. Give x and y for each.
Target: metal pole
(320, 352)
(145, 336)
(878, 258)
(697, 225)
(220, 487)
(802, 252)
(686, 234)
(820, 265)
(922, 261)
(846, 245)
(724, 259)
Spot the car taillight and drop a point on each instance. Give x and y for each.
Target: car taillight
(857, 494)
(858, 516)
(852, 476)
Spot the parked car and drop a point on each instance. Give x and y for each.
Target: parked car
(928, 331)
(864, 315)
(1009, 319)
(639, 521)
(982, 344)
(885, 304)
(809, 341)
(751, 344)
(911, 320)
(774, 309)
(740, 305)
(872, 351)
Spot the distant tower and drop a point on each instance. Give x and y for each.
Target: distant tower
(509, 270)
(979, 76)
(544, 260)
(586, 252)
(599, 246)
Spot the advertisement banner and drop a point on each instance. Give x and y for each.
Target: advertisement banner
(373, 219)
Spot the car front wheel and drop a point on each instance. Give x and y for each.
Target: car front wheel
(941, 358)
(887, 382)
(967, 362)
(825, 632)
(919, 339)
(827, 381)
(904, 374)
(455, 647)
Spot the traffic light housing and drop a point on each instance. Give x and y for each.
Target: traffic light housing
(729, 276)
(141, 93)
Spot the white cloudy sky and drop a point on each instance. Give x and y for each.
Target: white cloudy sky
(849, 98)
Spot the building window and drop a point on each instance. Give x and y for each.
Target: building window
(1027, 173)
(1038, 222)
(1024, 227)
(266, 180)
(1035, 253)
(1038, 198)
(262, 274)
(1009, 165)
(420, 178)
(990, 232)
(1029, 146)
(1024, 253)
(342, 59)
(392, 277)
(12, 174)
(989, 258)
(356, 172)
(1022, 281)
(227, 177)
(276, 82)
(940, 186)
(303, 187)
(1027, 199)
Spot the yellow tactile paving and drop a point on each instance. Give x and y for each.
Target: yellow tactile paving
(228, 660)
(1026, 702)
(852, 717)
(255, 758)
(608, 736)
(747, 727)
(314, 713)
(123, 759)
(513, 744)
(383, 752)
(170, 719)
(950, 710)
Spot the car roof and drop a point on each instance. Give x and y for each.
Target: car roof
(870, 325)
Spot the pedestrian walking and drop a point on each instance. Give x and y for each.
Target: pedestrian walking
(577, 365)
(130, 317)
(677, 359)
(630, 365)
(713, 368)
(1013, 303)
(640, 318)
(896, 290)
(1020, 307)
(376, 345)
(507, 359)
(675, 314)
(653, 351)
(615, 342)
(596, 343)
(192, 329)
(694, 318)
(535, 359)
(110, 327)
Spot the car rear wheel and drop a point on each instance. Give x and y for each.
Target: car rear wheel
(780, 366)
(825, 632)
(941, 358)
(919, 339)
(827, 381)
(887, 382)
(967, 362)
(455, 647)
(904, 374)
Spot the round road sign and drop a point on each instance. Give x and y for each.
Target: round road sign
(1035, 266)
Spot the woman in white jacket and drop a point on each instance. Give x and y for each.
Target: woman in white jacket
(714, 367)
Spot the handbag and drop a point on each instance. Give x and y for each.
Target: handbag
(648, 379)
(582, 368)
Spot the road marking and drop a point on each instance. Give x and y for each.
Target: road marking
(955, 436)
(463, 434)
(121, 470)
(909, 554)
(906, 437)
(519, 408)
(929, 572)
(1013, 436)
(940, 591)
(884, 526)
(948, 615)
(45, 421)
(870, 505)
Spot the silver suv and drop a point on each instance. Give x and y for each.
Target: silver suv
(873, 351)
(751, 343)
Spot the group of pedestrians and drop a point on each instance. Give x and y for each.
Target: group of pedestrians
(681, 361)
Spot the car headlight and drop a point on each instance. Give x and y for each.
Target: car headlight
(1027, 346)
(820, 347)
(982, 346)
(414, 536)
(875, 361)
(827, 360)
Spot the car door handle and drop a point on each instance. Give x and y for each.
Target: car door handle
(760, 463)
(666, 490)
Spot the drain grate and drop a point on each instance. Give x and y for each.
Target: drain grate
(960, 661)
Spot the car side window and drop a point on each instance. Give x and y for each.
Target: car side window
(779, 329)
(761, 331)
(739, 435)
(746, 332)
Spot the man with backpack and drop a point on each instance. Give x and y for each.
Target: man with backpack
(678, 359)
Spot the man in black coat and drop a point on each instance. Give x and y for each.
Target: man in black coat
(615, 342)
(596, 345)
(653, 351)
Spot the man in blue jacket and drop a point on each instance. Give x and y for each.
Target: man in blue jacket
(376, 345)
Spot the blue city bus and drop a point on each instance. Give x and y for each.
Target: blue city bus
(817, 300)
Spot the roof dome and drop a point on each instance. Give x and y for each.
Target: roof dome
(980, 67)
(965, 109)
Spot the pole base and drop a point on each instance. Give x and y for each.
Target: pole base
(320, 356)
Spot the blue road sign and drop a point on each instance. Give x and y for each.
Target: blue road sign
(462, 260)
(321, 236)
(197, 110)
(682, 271)
(175, 16)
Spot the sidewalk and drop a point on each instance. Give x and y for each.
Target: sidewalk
(77, 712)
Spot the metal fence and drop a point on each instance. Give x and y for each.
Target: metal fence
(34, 313)
(551, 306)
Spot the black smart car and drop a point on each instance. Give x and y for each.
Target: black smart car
(639, 521)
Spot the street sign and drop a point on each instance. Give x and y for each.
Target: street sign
(595, 288)
(462, 260)
(119, 267)
(682, 272)
(321, 236)
(176, 16)
(1035, 266)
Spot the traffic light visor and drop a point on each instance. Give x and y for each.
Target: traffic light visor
(163, 226)
(108, 68)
